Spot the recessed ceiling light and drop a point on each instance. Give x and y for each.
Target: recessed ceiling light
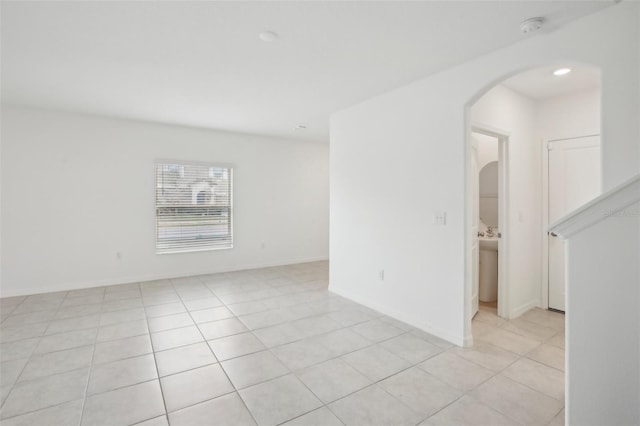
(268, 36)
(301, 127)
(562, 71)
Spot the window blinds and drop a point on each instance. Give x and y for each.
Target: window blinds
(193, 207)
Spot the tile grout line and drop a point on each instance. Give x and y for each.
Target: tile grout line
(464, 393)
(53, 374)
(494, 373)
(155, 361)
(373, 383)
(318, 315)
(86, 388)
(31, 355)
(520, 357)
(271, 352)
(294, 372)
(290, 371)
(104, 292)
(214, 356)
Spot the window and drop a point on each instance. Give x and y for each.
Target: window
(193, 207)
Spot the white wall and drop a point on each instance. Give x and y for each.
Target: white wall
(487, 149)
(603, 353)
(399, 158)
(0, 199)
(487, 152)
(77, 189)
(569, 116)
(504, 109)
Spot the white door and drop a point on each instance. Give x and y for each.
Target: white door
(475, 220)
(574, 179)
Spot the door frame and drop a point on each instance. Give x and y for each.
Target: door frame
(503, 217)
(544, 150)
(474, 207)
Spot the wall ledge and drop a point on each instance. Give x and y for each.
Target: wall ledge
(606, 205)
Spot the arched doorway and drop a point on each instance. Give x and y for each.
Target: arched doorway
(530, 114)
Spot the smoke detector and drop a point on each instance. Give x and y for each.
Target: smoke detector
(268, 36)
(530, 25)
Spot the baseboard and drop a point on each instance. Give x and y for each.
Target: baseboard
(516, 312)
(150, 277)
(468, 341)
(401, 316)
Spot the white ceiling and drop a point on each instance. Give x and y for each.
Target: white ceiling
(540, 83)
(200, 63)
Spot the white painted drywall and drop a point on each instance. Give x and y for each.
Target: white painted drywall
(489, 197)
(488, 179)
(1, 113)
(77, 189)
(399, 158)
(569, 116)
(561, 117)
(603, 350)
(489, 175)
(487, 149)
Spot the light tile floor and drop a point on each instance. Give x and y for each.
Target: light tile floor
(267, 347)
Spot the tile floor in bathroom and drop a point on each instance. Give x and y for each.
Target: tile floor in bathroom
(267, 346)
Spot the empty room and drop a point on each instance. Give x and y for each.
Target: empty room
(319, 213)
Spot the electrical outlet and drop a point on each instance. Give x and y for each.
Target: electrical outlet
(119, 255)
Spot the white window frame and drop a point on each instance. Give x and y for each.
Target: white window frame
(230, 170)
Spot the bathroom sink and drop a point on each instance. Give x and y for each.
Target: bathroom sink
(488, 243)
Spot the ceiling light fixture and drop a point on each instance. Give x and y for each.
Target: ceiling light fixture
(268, 36)
(561, 71)
(532, 24)
(301, 127)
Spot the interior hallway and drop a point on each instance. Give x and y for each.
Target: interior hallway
(266, 346)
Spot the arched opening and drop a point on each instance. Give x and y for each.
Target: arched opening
(544, 128)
